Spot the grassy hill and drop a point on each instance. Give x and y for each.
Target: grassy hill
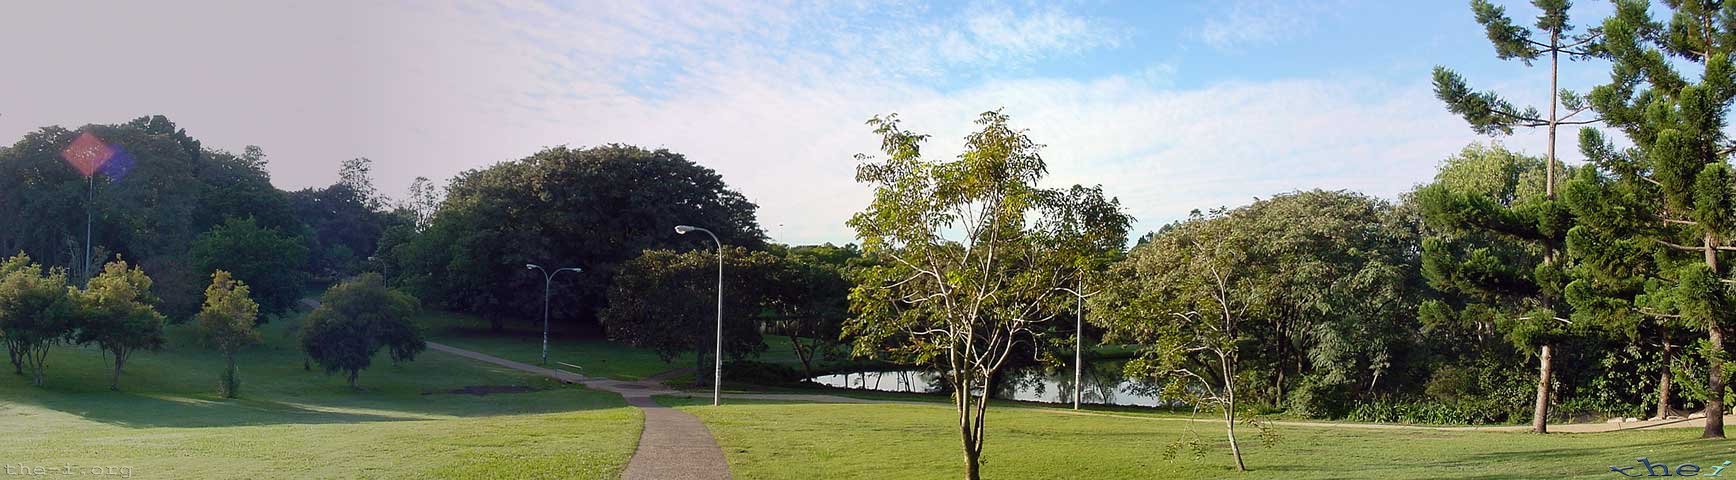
(405, 421)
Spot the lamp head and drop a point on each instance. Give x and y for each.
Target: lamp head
(530, 266)
(683, 229)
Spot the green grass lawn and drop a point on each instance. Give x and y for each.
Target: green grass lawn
(599, 358)
(769, 440)
(403, 423)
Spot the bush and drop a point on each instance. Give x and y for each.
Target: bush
(1466, 412)
(1315, 397)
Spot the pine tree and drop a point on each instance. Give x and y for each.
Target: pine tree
(1540, 222)
(1663, 208)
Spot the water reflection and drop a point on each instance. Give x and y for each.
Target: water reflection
(1103, 384)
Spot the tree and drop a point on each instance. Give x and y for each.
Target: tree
(116, 312)
(1488, 113)
(346, 221)
(226, 321)
(1663, 208)
(1496, 250)
(667, 302)
(810, 298)
(424, 200)
(969, 275)
(36, 312)
(1340, 272)
(1184, 298)
(265, 259)
(356, 318)
(595, 208)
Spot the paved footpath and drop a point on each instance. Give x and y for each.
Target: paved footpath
(675, 445)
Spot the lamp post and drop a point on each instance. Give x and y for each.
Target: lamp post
(717, 373)
(1078, 335)
(548, 277)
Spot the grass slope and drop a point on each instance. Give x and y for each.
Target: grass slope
(769, 440)
(168, 423)
(598, 358)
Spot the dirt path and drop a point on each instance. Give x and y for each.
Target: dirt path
(675, 445)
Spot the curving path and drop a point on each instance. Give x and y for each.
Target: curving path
(675, 445)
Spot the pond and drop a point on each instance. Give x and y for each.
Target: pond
(1104, 384)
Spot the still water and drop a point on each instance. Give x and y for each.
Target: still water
(1103, 384)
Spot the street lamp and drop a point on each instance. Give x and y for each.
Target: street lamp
(548, 277)
(1078, 336)
(717, 374)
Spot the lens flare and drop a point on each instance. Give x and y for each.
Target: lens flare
(87, 153)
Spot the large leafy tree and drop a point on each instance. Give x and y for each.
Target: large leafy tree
(970, 273)
(267, 260)
(117, 312)
(1339, 270)
(227, 322)
(1663, 209)
(810, 298)
(667, 302)
(595, 208)
(355, 320)
(36, 313)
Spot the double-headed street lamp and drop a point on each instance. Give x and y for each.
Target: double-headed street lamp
(1078, 336)
(548, 277)
(717, 374)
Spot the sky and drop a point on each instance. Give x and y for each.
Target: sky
(1171, 106)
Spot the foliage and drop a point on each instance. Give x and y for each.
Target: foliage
(226, 321)
(356, 318)
(1495, 255)
(267, 260)
(1658, 213)
(972, 264)
(595, 208)
(37, 311)
(346, 220)
(116, 312)
(810, 299)
(667, 302)
(160, 191)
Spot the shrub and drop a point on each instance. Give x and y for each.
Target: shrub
(1316, 397)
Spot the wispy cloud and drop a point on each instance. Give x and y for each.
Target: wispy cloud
(1239, 24)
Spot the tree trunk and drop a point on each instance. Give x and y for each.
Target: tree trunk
(353, 374)
(1715, 384)
(701, 377)
(230, 382)
(972, 463)
(1715, 358)
(1545, 368)
(805, 355)
(17, 358)
(115, 382)
(1230, 429)
(1664, 381)
(967, 432)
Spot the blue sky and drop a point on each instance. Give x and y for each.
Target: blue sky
(1171, 106)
